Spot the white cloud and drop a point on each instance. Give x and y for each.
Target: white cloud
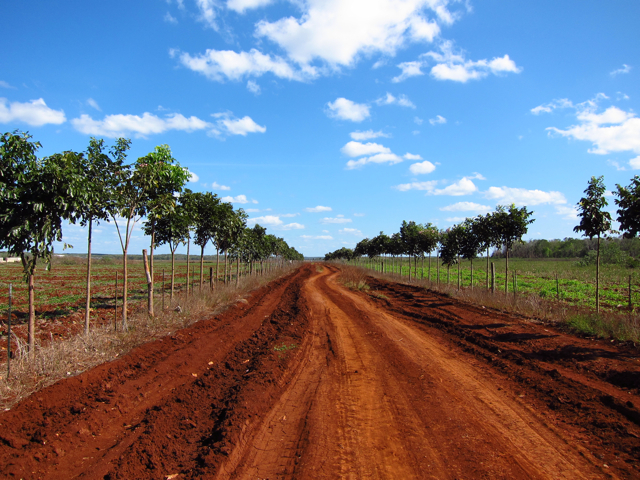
(368, 135)
(292, 226)
(238, 199)
(409, 69)
(193, 177)
(4, 84)
(466, 207)
(568, 213)
(422, 168)
(522, 196)
(253, 87)
(634, 163)
(217, 186)
(140, 126)
(319, 208)
(219, 65)
(625, 69)
(464, 186)
(289, 215)
(266, 221)
(418, 120)
(208, 12)
(438, 120)
(411, 156)
(391, 158)
(317, 237)
(452, 65)
(344, 109)
(551, 106)
(238, 126)
(170, 18)
(429, 186)
(350, 231)
(92, 103)
(337, 219)
(358, 214)
(338, 32)
(252, 210)
(241, 6)
(357, 149)
(389, 99)
(34, 113)
(613, 130)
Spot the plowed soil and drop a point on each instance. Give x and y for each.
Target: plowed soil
(310, 380)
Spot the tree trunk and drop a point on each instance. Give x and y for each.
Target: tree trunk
(448, 274)
(147, 272)
(31, 332)
(422, 268)
(237, 271)
(409, 268)
(506, 274)
(438, 267)
(598, 276)
(153, 242)
(125, 286)
(173, 270)
(458, 272)
(429, 274)
(487, 268)
(201, 267)
(188, 246)
(471, 273)
(225, 267)
(88, 303)
(217, 262)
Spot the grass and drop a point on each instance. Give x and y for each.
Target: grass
(569, 302)
(64, 358)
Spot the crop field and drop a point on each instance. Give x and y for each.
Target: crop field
(575, 284)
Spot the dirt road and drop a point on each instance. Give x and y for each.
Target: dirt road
(307, 379)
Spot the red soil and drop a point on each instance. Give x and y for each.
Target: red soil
(311, 380)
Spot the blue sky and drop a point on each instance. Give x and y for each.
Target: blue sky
(332, 120)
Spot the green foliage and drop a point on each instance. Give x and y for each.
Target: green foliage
(628, 202)
(594, 220)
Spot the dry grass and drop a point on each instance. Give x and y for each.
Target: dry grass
(65, 358)
(354, 277)
(623, 326)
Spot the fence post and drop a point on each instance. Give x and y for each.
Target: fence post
(147, 273)
(163, 286)
(211, 278)
(493, 277)
(9, 334)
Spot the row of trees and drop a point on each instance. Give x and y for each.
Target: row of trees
(499, 229)
(38, 194)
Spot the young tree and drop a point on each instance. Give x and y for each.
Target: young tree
(410, 235)
(594, 220)
(450, 249)
(35, 197)
(484, 228)
(471, 242)
(207, 206)
(232, 223)
(429, 237)
(99, 170)
(510, 226)
(628, 203)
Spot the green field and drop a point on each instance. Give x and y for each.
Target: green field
(575, 285)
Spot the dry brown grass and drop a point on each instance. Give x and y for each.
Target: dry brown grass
(66, 358)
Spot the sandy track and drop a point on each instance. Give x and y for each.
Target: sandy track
(311, 380)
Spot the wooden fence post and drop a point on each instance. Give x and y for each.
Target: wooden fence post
(211, 278)
(147, 273)
(115, 318)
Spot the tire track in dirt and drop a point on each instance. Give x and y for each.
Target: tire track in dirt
(379, 398)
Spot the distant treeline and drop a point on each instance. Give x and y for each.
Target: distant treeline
(614, 250)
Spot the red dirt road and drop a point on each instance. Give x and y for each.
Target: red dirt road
(310, 380)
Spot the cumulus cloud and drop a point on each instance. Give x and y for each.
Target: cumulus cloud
(238, 199)
(411, 156)
(337, 219)
(357, 149)
(292, 226)
(391, 158)
(634, 163)
(253, 87)
(317, 237)
(367, 135)
(34, 113)
(464, 186)
(401, 100)
(452, 65)
(237, 126)
(193, 177)
(625, 69)
(220, 65)
(140, 126)
(567, 213)
(344, 109)
(466, 207)
(217, 186)
(208, 12)
(170, 18)
(338, 32)
(241, 6)
(429, 186)
(612, 130)
(422, 168)
(438, 120)
(266, 221)
(319, 208)
(350, 231)
(522, 196)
